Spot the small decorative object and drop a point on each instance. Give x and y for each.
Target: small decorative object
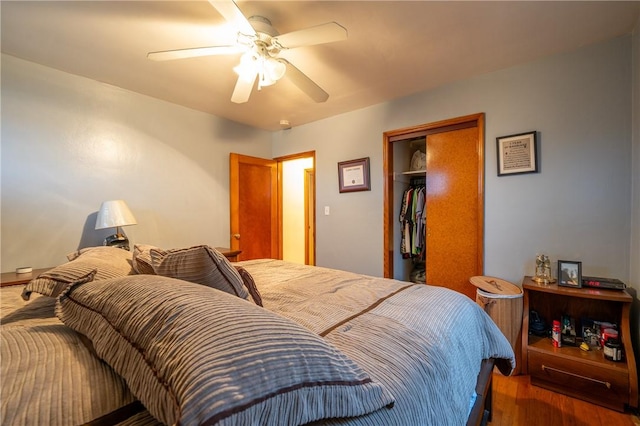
(517, 154)
(418, 161)
(543, 270)
(569, 273)
(613, 350)
(115, 214)
(568, 336)
(354, 175)
(590, 332)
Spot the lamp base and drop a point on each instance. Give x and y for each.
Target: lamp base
(117, 240)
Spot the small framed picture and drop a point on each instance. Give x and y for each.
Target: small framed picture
(570, 273)
(517, 154)
(353, 175)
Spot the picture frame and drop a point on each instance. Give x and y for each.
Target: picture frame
(354, 175)
(570, 273)
(517, 154)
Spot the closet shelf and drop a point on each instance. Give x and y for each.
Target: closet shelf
(406, 176)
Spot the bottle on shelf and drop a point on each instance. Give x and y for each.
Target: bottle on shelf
(555, 334)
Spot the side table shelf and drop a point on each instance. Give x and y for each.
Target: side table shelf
(568, 369)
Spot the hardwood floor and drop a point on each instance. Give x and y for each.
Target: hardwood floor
(517, 403)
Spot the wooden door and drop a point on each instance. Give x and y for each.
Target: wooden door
(455, 200)
(253, 188)
(452, 210)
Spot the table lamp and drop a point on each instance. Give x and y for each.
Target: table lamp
(115, 214)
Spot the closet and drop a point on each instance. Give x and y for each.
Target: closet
(434, 203)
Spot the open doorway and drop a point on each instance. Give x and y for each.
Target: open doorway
(273, 207)
(297, 207)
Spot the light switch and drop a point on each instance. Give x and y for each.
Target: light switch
(327, 211)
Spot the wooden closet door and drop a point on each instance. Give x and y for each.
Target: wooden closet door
(452, 205)
(455, 200)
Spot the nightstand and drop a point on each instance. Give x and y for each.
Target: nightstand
(232, 255)
(11, 278)
(568, 369)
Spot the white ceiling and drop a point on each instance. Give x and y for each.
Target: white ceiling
(393, 49)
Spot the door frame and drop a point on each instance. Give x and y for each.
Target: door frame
(399, 135)
(310, 243)
(310, 216)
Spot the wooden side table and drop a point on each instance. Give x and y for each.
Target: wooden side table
(232, 255)
(568, 369)
(12, 278)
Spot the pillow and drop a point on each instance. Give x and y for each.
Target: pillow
(107, 262)
(142, 259)
(194, 355)
(250, 284)
(199, 264)
(50, 378)
(53, 282)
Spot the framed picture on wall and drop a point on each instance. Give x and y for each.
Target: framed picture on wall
(569, 273)
(517, 154)
(353, 175)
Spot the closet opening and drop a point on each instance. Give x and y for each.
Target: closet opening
(434, 203)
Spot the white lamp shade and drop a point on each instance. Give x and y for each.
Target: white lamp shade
(113, 214)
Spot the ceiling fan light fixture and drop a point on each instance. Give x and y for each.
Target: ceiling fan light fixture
(248, 66)
(275, 68)
(268, 69)
(261, 44)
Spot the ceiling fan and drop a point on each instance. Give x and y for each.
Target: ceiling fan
(260, 44)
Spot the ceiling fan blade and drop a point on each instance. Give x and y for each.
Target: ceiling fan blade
(167, 55)
(325, 33)
(243, 89)
(304, 83)
(230, 11)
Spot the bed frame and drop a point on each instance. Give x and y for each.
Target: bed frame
(481, 410)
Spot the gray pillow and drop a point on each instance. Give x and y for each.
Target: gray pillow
(142, 259)
(194, 355)
(250, 284)
(199, 264)
(105, 262)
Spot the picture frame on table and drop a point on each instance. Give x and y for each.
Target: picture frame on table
(517, 154)
(354, 175)
(570, 273)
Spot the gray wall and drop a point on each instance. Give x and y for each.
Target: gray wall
(69, 143)
(577, 208)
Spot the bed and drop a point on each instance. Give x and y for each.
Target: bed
(184, 337)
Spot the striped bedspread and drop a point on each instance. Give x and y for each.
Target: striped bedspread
(424, 343)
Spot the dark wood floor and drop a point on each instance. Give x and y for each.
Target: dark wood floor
(517, 403)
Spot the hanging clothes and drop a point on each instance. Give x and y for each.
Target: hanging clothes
(413, 221)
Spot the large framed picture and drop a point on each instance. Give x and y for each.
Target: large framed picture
(353, 175)
(517, 154)
(569, 273)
